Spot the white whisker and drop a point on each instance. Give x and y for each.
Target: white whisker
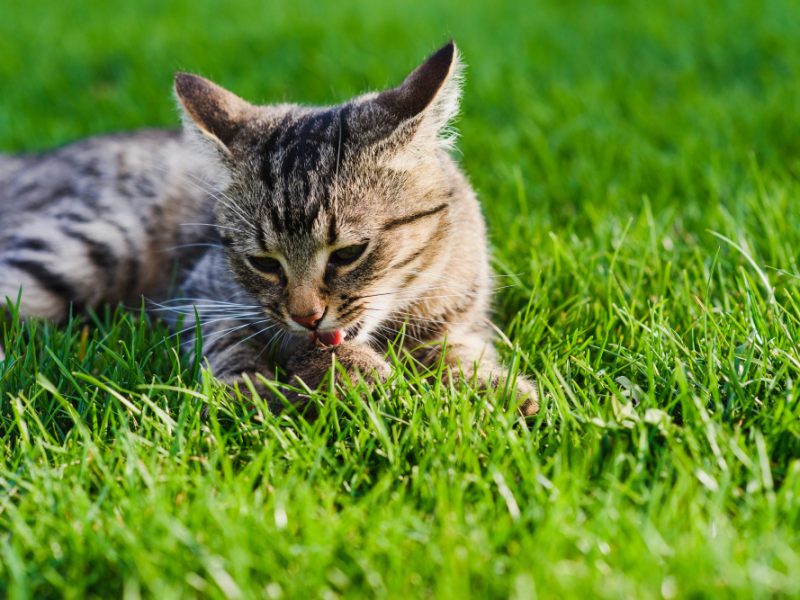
(217, 335)
(209, 322)
(213, 191)
(182, 246)
(209, 225)
(206, 302)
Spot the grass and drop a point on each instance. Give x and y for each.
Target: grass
(639, 165)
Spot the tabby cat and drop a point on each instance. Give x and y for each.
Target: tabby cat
(300, 234)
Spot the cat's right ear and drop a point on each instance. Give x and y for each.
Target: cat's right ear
(217, 113)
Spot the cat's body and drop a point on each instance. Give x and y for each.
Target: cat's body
(101, 220)
(295, 233)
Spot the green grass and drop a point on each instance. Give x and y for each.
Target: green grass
(639, 165)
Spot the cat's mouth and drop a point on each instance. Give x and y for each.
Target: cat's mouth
(328, 338)
(333, 337)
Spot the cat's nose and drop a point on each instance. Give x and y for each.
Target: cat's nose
(308, 321)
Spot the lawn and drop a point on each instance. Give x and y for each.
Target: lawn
(639, 167)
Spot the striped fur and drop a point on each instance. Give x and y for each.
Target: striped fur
(265, 214)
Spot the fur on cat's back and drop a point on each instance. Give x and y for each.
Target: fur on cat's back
(101, 220)
(299, 235)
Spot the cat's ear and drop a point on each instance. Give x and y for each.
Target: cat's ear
(428, 98)
(217, 113)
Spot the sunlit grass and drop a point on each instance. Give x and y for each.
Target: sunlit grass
(639, 167)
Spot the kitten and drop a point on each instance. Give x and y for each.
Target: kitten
(303, 234)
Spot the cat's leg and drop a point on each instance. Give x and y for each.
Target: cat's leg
(472, 355)
(235, 352)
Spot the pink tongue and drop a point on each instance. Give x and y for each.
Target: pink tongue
(330, 338)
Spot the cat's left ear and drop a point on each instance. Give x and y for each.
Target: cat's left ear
(428, 99)
(219, 115)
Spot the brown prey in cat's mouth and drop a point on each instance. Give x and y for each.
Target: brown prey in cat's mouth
(326, 233)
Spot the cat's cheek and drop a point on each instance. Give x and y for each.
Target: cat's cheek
(372, 317)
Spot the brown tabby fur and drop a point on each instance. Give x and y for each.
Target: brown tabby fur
(285, 186)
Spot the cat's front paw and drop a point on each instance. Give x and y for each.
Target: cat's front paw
(357, 361)
(527, 397)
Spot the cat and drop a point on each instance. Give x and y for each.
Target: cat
(302, 235)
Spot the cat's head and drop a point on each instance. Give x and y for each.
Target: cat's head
(328, 214)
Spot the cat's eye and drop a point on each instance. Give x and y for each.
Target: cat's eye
(347, 255)
(265, 264)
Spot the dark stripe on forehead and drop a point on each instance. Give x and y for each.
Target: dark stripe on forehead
(299, 162)
(303, 140)
(332, 232)
(400, 221)
(343, 135)
(341, 155)
(276, 217)
(260, 237)
(267, 150)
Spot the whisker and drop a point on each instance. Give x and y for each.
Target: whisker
(272, 340)
(413, 292)
(182, 246)
(423, 319)
(283, 341)
(209, 322)
(249, 337)
(437, 297)
(204, 315)
(395, 332)
(221, 197)
(209, 301)
(209, 225)
(215, 192)
(193, 327)
(217, 335)
(399, 290)
(192, 308)
(402, 316)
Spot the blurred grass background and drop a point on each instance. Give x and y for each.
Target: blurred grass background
(589, 106)
(638, 164)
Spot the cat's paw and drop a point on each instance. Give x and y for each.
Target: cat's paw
(357, 362)
(527, 397)
(523, 394)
